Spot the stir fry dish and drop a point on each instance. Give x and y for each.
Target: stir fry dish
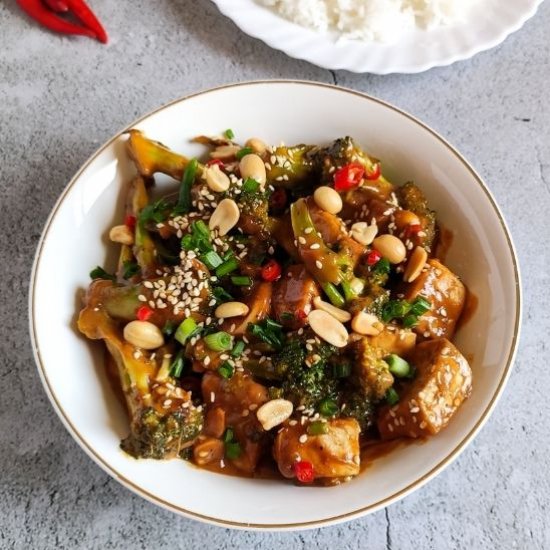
(280, 310)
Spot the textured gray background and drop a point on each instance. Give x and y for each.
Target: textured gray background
(61, 98)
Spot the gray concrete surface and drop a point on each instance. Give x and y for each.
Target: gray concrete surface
(60, 98)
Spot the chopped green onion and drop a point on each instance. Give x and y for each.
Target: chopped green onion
(328, 407)
(398, 366)
(241, 280)
(392, 397)
(169, 328)
(219, 341)
(220, 294)
(184, 199)
(382, 267)
(225, 370)
(186, 330)
(420, 306)
(269, 331)
(227, 267)
(100, 273)
(395, 309)
(243, 152)
(238, 348)
(187, 242)
(176, 367)
(317, 428)
(229, 134)
(228, 435)
(334, 296)
(130, 269)
(349, 293)
(211, 259)
(250, 186)
(342, 370)
(233, 450)
(410, 320)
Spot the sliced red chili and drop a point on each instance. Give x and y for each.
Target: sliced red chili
(271, 271)
(88, 18)
(144, 313)
(216, 162)
(412, 229)
(304, 471)
(373, 257)
(375, 174)
(130, 222)
(348, 177)
(278, 200)
(301, 315)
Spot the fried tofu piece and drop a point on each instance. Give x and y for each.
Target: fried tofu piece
(293, 296)
(398, 341)
(333, 455)
(446, 292)
(443, 381)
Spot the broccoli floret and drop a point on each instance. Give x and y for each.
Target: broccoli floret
(254, 206)
(360, 407)
(412, 198)
(157, 436)
(373, 301)
(293, 166)
(308, 385)
(370, 371)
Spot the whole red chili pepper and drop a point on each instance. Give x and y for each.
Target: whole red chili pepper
(88, 18)
(38, 11)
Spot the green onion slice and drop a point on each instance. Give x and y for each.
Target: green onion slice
(225, 370)
(392, 397)
(317, 428)
(398, 366)
(241, 280)
(328, 407)
(184, 198)
(186, 330)
(227, 267)
(219, 341)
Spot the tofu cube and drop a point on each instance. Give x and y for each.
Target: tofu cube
(446, 292)
(443, 381)
(335, 454)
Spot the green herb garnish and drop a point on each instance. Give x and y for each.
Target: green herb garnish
(392, 397)
(250, 186)
(328, 407)
(317, 428)
(187, 329)
(187, 180)
(129, 269)
(176, 367)
(268, 331)
(100, 273)
(398, 366)
(241, 280)
(227, 267)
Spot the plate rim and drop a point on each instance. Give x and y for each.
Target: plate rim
(362, 68)
(418, 483)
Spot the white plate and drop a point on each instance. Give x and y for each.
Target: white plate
(74, 241)
(488, 24)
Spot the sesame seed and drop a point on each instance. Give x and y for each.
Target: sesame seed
(319, 264)
(315, 246)
(303, 438)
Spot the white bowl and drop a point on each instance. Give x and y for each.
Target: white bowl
(487, 24)
(74, 241)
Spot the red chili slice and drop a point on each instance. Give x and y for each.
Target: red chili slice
(217, 162)
(373, 257)
(348, 177)
(144, 313)
(130, 222)
(271, 271)
(375, 174)
(304, 471)
(301, 315)
(412, 230)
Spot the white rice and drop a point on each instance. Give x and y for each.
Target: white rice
(382, 20)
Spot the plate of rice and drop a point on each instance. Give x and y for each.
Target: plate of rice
(380, 36)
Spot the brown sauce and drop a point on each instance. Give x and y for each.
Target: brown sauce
(471, 304)
(375, 449)
(444, 241)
